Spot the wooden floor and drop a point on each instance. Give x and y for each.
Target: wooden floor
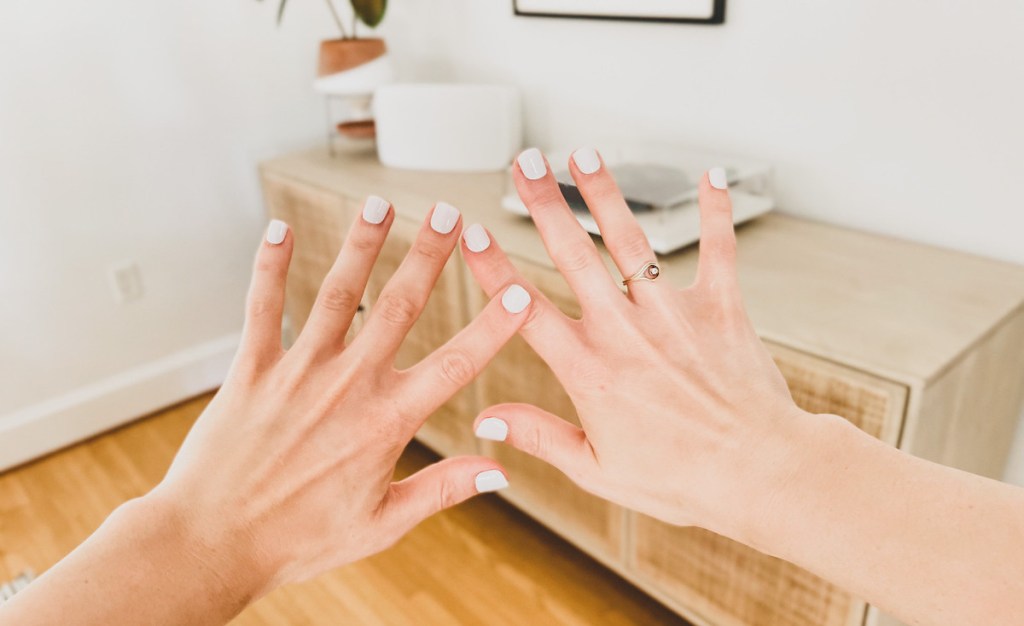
(483, 562)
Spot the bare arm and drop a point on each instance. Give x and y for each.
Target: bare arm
(927, 543)
(147, 564)
(686, 418)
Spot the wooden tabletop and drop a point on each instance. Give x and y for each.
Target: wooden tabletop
(898, 309)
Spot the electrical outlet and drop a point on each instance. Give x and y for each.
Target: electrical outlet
(126, 281)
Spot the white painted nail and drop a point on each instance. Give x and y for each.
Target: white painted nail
(375, 209)
(276, 232)
(515, 299)
(476, 238)
(493, 428)
(444, 218)
(491, 480)
(587, 160)
(531, 161)
(717, 178)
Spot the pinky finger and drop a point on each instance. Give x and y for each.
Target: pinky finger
(261, 335)
(716, 263)
(440, 486)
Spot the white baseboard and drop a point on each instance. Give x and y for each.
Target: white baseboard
(47, 426)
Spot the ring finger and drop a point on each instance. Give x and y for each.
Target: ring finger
(343, 287)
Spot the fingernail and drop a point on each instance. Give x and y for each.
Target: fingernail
(476, 238)
(375, 209)
(493, 428)
(531, 161)
(717, 178)
(587, 160)
(444, 218)
(491, 480)
(515, 299)
(276, 232)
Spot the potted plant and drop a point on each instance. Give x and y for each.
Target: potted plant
(351, 67)
(349, 50)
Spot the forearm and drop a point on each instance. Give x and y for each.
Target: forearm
(926, 543)
(144, 565)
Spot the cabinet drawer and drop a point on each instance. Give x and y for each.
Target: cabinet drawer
(449, 431)
(319, 222)
(517, 374)
(717, 581)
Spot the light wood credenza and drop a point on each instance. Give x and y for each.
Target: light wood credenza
(918, 346)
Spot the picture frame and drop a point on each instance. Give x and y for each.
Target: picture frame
(684, 11)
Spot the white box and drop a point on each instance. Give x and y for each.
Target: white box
(452, 128)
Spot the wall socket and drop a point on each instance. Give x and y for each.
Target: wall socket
(126, 281)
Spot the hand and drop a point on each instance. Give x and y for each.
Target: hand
(288, 471)
(680, 403)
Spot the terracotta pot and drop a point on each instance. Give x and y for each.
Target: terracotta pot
(338, 55)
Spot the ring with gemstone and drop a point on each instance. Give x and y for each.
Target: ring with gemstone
(649, 271)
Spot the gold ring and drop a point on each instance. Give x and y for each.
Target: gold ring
(649, 271)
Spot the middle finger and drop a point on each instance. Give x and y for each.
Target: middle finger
(404, 296)
(620, 231)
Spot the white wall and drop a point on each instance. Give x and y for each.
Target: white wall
(131, 130)
(895, 117)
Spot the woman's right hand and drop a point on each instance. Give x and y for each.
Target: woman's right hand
(684, 415)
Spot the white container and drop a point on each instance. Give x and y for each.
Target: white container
(451, 128)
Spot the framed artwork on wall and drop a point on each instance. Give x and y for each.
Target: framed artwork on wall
(694, 11)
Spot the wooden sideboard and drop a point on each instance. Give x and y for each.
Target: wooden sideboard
(918, 346)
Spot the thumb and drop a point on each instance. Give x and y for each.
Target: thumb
(440, 486)
(541, 434)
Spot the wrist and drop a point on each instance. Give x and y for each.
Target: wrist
(795, 464)
(218, 561)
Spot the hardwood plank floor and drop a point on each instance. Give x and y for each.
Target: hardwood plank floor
(483, 562)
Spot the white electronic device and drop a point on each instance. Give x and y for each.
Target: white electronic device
(659, 183)
(450, 128)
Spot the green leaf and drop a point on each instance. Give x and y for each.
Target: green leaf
(370, 12)
(280, 12)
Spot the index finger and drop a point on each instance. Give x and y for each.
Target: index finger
(454, 365)
(568, 245)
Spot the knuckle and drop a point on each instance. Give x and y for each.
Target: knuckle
(336, 299)
(247, 367)
(635, 245)
(574, 258)
(431, 252)
(448, 494)
(364, 244)
(270, 264)
(397, 310)
(534, 317)
(589, 375)
(549, 198)
(720, 204)
(260, 306)
(534, 443)
(457, 367)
